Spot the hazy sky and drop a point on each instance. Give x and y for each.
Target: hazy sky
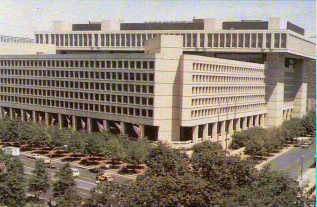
(23, 17)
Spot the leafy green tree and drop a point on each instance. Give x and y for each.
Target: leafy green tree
(76, 143)
(39, 181)
(269, 188)
(309, 122)
(293, 128)
(240, 139)
(69, 199)
(115, 150)
(12, 183)
(137, 152)
(9, 129)
(94, 144)
(65, 181)
(163, 160)
(33, 133)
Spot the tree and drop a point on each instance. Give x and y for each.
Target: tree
(137, 152)
(69, 199)
(240, 139)
(9, 129)
(39, 181)
(94, 144)
(309, 122)
(12, 183)
(293, 128)
(65, 181)
(162, 161)
(269, 188)
(115, 150)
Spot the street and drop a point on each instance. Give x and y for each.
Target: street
(85, 181)
(290, 162)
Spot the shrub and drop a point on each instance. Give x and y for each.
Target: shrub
(240, 139)
(293, 128)
(309, 122)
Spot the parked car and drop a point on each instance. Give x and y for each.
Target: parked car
(103, 177)
(75, 172)
(13, 151)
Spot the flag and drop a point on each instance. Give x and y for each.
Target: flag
(137, 130)
(83, 124)
(28, 116)
(100, 127)
(118, 126)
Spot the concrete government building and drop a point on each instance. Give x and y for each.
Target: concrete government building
(176, 82)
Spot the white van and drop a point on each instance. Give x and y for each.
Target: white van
(13, 151)
(75, 172)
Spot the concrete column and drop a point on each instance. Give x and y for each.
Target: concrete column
(274, 88)
(214, 131)
(46, 118)
(88, 124)
(122, 126)
(74, 124)
(141, 126)
(195, 134)
(300, 102)
(223, 130)
(22, 112)
(230, 127)
(238, 128)
(244, 123)
(11, 113)
(105, 125)
(60, 121)
(34, 116)
(205, 132)
(1, 113)
(262, 120)
(256, 120)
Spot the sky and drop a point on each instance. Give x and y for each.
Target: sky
(23, 17)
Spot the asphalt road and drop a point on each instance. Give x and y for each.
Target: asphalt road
(291, 161)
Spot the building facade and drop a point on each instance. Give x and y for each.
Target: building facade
(176, 82)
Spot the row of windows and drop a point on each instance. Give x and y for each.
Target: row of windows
(213, 40)
(15, 39)
(225, 69)
(118, 110)
(226, 100)
(120, 64)
(79, 96)
(227, 79)
(133, 88)
(228, 89)
(201, 113)
(128, 76)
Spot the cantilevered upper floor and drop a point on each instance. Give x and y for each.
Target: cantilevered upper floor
(199, 35)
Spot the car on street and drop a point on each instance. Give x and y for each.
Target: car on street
(75, 172)
(13, 151)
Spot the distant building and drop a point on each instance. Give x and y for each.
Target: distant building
(177, 82)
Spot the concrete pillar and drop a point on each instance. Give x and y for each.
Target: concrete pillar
(105, 125)
(46, 119)
(122, 126)
(34, 116)
(205, 132)
(141, 126)
(214, 131)
(88, 124)
(238, 128)
(230, 127)
(22, 112)
(74, 123)
(1, 113)
(274, 88)
(195, 134)
(244, 123)
(300, 101)
(223, 130)
(256, 118)
(60, 121)
(11, 113)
